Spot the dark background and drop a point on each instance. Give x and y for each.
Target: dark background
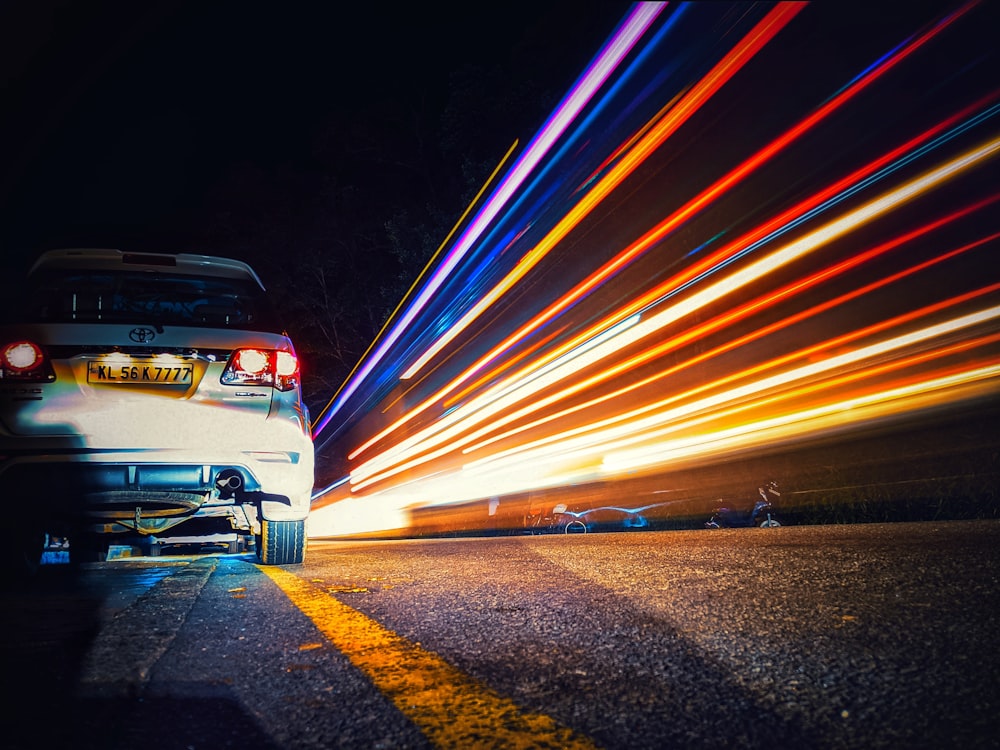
(331, 146)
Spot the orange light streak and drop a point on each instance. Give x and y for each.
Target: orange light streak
(838, 413)
(669, 224)
(721, 321)
(486, 377)
(657, 412)
(579, 452)
(570, 465)
(730, 250)
(502, 396)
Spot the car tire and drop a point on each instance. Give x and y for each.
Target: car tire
(281, 542)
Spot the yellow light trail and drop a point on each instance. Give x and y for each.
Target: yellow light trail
(606, 458)
(812, 421)
(628, 427)
(718, 323)
(602, 460)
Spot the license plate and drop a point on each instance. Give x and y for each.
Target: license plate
(140, 371)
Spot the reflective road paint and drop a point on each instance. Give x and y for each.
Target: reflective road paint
(450, 708)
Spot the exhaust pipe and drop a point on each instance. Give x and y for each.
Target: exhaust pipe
(228, 482)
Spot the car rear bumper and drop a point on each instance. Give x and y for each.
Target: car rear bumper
(157, 483)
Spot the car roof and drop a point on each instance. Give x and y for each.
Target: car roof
(117, 260)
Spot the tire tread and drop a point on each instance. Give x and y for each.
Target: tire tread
(282, 542)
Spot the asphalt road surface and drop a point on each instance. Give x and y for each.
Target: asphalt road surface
(868, 636)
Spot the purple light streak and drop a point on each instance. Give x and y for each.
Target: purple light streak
(620, 44)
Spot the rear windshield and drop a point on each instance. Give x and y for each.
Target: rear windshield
(143, 297)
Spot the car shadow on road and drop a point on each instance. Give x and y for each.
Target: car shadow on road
(166, 722)
(48, 626)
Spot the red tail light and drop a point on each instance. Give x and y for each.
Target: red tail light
(262, 367)
(24, 360)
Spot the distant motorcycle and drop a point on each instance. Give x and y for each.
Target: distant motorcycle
(762, 514)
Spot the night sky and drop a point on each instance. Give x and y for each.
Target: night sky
(138, 124)
(286, 135)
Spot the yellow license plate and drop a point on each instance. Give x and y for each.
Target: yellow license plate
(140, 371)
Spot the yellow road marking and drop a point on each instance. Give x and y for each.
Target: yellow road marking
(448, 706)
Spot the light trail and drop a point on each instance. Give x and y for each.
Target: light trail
(351, 382)
(672, 120)
(693, 334)
(633, 426)
(635, 25)
(521, 386)
(824, 199)
(799, 422)
(838, 281)
(670, 224)
(646, 423)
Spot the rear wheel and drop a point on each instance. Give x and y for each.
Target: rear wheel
(281, 542)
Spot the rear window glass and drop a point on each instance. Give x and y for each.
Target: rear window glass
(144, 297)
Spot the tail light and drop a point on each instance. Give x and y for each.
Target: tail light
(24, 360)
(262, 367)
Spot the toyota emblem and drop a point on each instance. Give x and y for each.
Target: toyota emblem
(142, 335)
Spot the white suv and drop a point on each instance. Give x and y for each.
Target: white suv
(139, 391)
